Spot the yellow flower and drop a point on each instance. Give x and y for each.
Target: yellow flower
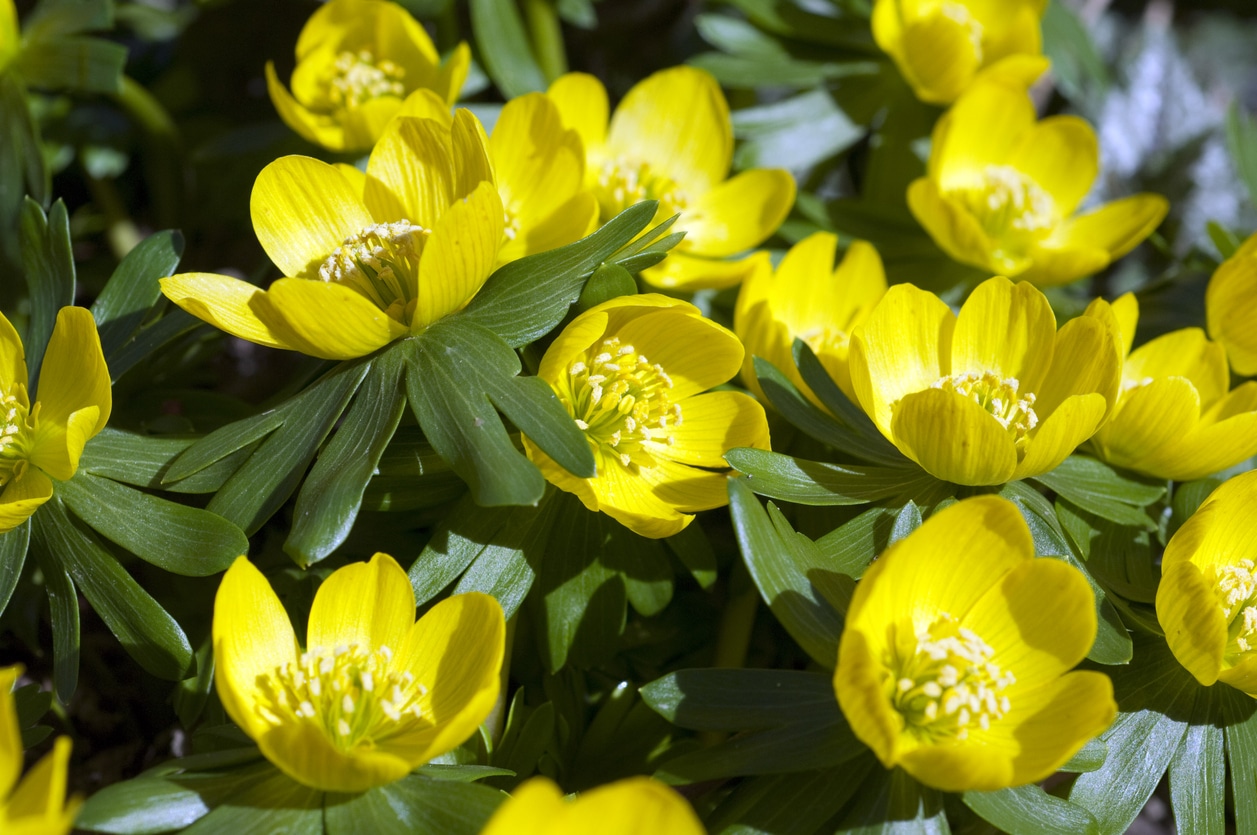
(365, 262)
(538, 166)
(1231, 307)
(954, 660)
(671, 140)
(37, 805)
(992, 395)
(807, 298)
(357, 61)
(626, 807)
(943, 47)
(1175, 418)
(1002, 192)
(630, 372)
(1207, 598)
(10, 34)
(42, 441)
(375, 694)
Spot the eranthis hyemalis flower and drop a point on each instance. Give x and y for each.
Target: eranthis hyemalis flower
(35, 805)
(626, 807)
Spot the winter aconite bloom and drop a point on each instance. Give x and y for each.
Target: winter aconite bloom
(364, 263)
(357, 62)
(36, 805)
(942, 47)
(954, 661)
(992, 395)
(807, 298)
(1207, 598)
(627, 807)
(1231, 307)
(671, 140)
(375, 694)
(1002, 192)
(1175, 418)
(631, 373)
(42, 437)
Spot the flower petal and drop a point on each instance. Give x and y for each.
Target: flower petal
(74, 375)
(951, 226)
(1048, 266)
(695, 352)
(304, 752)
(57, 447)
(1007, 329)
(471, 154)
(582, 102)
(22, 497)
(965, 766)
(953, 438)
(40, 796)
(411, 172)
(459, 255)
(1115, 228)
(426, 104)
(370, 604)
(1060, 433)
(252, 638)
(535, 808)
(12, 357)
(1231, 308)
(329, 321)
(1185, 353)
(687, 273)
(540, 163)
(631, 806)
(10, 731)
(712, 424)
(1214, 446)
(739, 213)
(1085, 360)
(1062, 155)
(310, 126)
(681, 487)
(1195, 628)
(938, 58)
(227, 303)
(1148, 418)
(983, 128)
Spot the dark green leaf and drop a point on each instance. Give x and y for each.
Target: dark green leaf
(1029, 810)
(504, 47)
(1188, 497)
(1241, 753)
(328, 503)
(608, 282)
(850, 547)
(1090, 757)
(817, 483)
(695, 552)
(49, 267)
(133, 288)
(1224, 239)
(181, 539)
(534, 735)
(191, 694)
(23, 169)
(31, 703)
(63, 604)
(892, 803)
(150, 339)
(411, 476)
(271, 802)
(461, 773)
(51, 18)
(147, 632)
(789, 804)
(13, 547)
(153, 803)
(907, 520)
(505, 568)
(1103, 491)
(224, 441)
(414, 805)
(1198, 770)
(74, 63)
(144, 460)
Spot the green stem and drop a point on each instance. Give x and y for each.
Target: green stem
(497, 717)
(547, 37)
(164, 169)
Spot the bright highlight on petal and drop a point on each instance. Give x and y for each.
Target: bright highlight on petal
(954, 660)
(37, 803)
(375, 694)
(1231, 307)
(626, 807)
(628, 372)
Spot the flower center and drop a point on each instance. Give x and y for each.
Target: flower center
(17, 424)
(621, 401)
(949, 684)
(825, 338)
(959, 14)
(358, 78)
(1236, 588)
(624, 182)
(1014, 211)
(382, 263)
(1000, 399)
(352, 694)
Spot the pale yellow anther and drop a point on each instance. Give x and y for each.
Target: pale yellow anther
(999, 397)
(357, 78)
(380, 262)
(1235, 586)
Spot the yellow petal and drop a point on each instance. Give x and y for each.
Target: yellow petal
(1195, 628)
(858, 684)
(310, 126)
(1213, 446)
(370, 604)
(305, 753)
(739, 213)
(471, 154)
(1062, 155)
(1115, 227)
(252, 638)
(959, 767)
(329, 321)
(712, 424)
(1121, 316)
(953, 438)
(540, 164)
(22, 497)
(57, 447)
(74, 375)
(356, 176)
(1019, 71)
(1005, 328)
(677, 121)
(682, 487)
(695, 352)
(303, 209)
(1231, 308)
(983, 128)
(426, 104)
(939, 56)
(1048, 266)
(686, 273)
(12, 357)
(633, 501)
(1085, 360)
(1060, 433)
(567, 222)
(629, 807)
(41, 793)
(535, 808)
(10, 732)
(411, 172)
(1151, 416)
(1183, 353)
(953, 228)
(582, 102)
(366, 123)
(459, 255)
(230, 305)
(453, 73)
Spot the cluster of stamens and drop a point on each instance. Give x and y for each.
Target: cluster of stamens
(623, 182)
(17, 422)
(621, 401)
(358, 78)
(1013, 209)
(354, 695)
(1236, 588)
(1015, 412)
(382, 263)
(825, 337)
(950, 683)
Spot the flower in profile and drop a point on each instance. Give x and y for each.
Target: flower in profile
(807, 298)
(1231, 307)
(942, 48)
(631, 372)
(357, 62)
(954, 661)
(671, 140)
(992, 395)
(375, 694)
(1207, 597)
(1002, 192)
(365, 262)
(42, 439)
(37, 805)
(1175, 418)
(626, 807)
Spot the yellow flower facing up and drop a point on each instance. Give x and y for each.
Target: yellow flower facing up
(1175, 418)
(357, 62)
(671, 140)
(1002, 192)
(37, 805)
(42, 440)
(626, 807)
(943, 46)
(1207, 597)
(365, 261)
(807, 298)
(1231, 307)
(375, 694)
(954, 660)
(992, 395)
(631, 373)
